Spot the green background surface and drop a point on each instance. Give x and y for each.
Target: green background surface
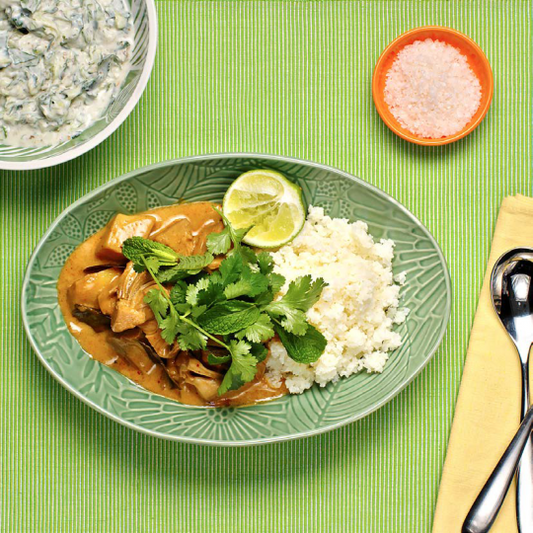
(290, 78)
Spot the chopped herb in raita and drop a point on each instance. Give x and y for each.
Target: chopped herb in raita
(62, 62)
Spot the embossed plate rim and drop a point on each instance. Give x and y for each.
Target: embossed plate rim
(241, 443)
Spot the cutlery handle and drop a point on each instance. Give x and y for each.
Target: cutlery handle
(524, 477)
(524, 489)
(490, 499)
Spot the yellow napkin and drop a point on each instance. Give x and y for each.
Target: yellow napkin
(488, 407)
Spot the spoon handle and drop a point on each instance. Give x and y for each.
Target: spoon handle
(488, 503)
(524, 476)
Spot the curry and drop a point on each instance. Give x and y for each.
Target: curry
(102, 298)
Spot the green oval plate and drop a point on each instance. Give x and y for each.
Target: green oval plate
(427, 293)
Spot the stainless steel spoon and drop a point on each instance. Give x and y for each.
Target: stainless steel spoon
(512, 296)
(490, 499)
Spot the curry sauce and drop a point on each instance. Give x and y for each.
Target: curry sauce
(102, 300)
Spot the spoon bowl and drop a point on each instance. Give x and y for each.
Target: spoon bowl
(512, 296)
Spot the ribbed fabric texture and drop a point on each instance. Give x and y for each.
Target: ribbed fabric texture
(289, 78)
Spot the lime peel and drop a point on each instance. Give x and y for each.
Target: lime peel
(269, 202)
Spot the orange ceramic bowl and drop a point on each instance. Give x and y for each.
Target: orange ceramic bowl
(476, 59)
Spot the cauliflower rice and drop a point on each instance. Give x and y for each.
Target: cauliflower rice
(358, 308)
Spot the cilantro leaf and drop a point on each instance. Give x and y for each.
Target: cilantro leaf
(251, 284)
(157, 302)
(210, 295)
(239, 348)
(239, 288)
(218, 360)
(264, 298)
(165, 314)
(266, 267)
(237, 235)
(178, 297)
(259, 351)
(261, 331)
(275, 281)
(141, 251)
(192, 291)
(243, 367)
(265, 262)
(303, 349)
(178, 293)
(303, 293)
(230, 269)
(229, 317)
(247, 254)
(293, 320)
(190, 338)
(197, 310)
(219, 243)
(170, 326)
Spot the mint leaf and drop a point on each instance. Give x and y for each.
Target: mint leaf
(261, 331)
(188, 265)
(139, 250)
(243, 367)
(174, 274)
(151, 263)
(228, 317)
(194, 262)
(303, 349)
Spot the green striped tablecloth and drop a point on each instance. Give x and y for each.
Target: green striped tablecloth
(289, 78)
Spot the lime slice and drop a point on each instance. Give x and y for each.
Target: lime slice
(270, 203)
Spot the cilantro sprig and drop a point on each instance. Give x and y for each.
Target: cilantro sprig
(220, 243)
(235, 307)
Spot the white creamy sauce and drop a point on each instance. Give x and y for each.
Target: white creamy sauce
(62, 63)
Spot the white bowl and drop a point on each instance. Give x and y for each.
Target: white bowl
(143, 56)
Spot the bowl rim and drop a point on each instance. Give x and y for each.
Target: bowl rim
(249, 442)
(380, 103)
(117, 121)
